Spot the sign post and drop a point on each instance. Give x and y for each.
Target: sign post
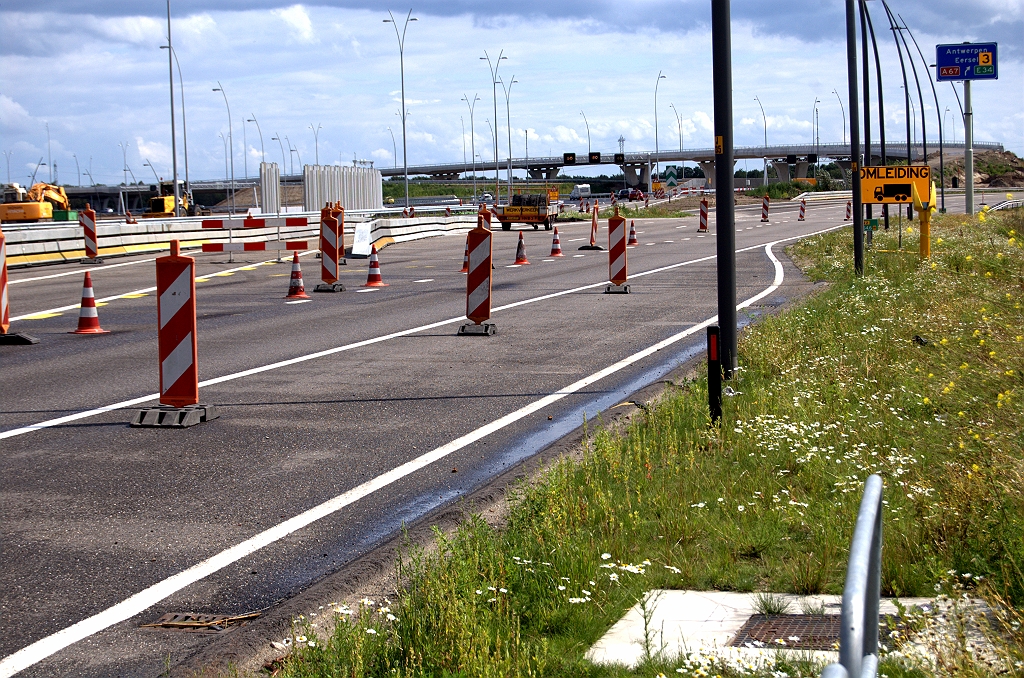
(966, 62)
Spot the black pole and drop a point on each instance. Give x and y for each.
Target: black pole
(855, 156)
(935, 96)
(881, 101)
(714, 376)
(725, 218)
(867, 93)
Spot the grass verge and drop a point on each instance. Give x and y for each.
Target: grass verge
(912, 371)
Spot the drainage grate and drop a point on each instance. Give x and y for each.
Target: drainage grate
(200, 623)
(794, 631)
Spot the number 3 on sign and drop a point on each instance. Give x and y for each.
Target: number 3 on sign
(984, 58)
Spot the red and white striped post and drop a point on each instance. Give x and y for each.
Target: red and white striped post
(87, 220)
(176, 340)
(617, 274)
(703, 227)
(332, 248)
(764, 209)
(478, 282)
(7, 337)
(803, 210)
(849, 210)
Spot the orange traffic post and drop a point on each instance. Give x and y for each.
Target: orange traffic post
(703, 226)
(593, 232)
(87, 220)
(478, 283)
(803, 210)
(7, 337)
(617, 273)
(332, 248)
(176, 339)
(764, 209)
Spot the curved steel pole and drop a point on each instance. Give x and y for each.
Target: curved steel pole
(472, 136)
(657, 163)
(174, 141)
(401, 61)
(765, 118)
(231, 143)
(935, 95)
(588, 134)
(494, 131)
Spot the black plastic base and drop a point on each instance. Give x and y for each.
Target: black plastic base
(483, 329)
(616, 289)
(591, 247)
(329, 287)
(164, 416)
(87, 261)
(17, 339)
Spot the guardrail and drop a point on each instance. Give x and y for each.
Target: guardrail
(858, 637)
(1007, 205)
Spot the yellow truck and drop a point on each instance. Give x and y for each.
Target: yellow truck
(163, 204)
(39, 203)
(530, 208)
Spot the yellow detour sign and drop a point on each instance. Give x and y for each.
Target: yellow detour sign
(895, 184)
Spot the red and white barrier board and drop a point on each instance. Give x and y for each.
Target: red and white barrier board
(5, 308)
(478, 281)
(332, 242)
(176, 319)
(269, 222)
(764, 209)
(617, 254)
(255, 246)
(87, 220)
(703, 227)
(803, 211)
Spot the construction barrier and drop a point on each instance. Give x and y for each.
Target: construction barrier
(6, 337)
(176, 339)
(373, 278)
(465, 258)
(257, 222)
(803, 211)
(521, 259)
(478, 282)
(703, 227)
(849, 210)
(296, 288)
(87, 220)
(593, 232)
(764, 209)
(632, 242)
(617, 255)
(332, 247)
(556, 245)
(255, 246)
(88, 318)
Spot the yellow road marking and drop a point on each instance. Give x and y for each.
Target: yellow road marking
(134, 296)
(202, 280)
(41, 316)
(222, 274)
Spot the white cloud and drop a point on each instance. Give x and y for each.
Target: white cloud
(156, 152)
(298, 19)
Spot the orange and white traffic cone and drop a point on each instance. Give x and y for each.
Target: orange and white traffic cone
(632, 233)
(556, 245)
(374, 279)
(296, 288)
(88, 319)
(521, 251)
(465, 259)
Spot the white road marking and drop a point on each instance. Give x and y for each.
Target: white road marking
(135, 294)
(575, 239)
(547, 259)
(369, 289)
(133, 605)
(424, 280)
(513, 266)
(79, 272)
(577, 256)
(299, 301)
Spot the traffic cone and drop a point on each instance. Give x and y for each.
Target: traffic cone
(374, 279)
(296, 288)
(632, 233)
(556, 245)
(88, 320)
(465, 259)
(521, 251)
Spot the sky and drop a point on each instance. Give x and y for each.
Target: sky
(93, 73)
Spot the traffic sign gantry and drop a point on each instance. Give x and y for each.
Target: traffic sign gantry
(967, 61)
(893, 185)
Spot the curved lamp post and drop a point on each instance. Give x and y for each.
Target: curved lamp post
(401, 59)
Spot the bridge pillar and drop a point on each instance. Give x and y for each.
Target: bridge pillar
(708, 166)
(845, 166)
(782, 169)
(630, 172)
(801, 169)
(548, 173)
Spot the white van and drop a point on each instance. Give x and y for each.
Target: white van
(580, 192)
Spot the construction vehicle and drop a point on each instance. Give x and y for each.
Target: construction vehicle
(163, 204)
(41, 202)
(528, 208)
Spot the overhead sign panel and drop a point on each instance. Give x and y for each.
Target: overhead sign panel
(967, 61)
(894, 184)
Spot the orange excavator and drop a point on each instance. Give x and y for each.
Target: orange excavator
(42, 201)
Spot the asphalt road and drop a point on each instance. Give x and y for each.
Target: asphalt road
(96, 512)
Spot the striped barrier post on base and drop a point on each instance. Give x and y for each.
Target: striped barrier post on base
(617, 274)
(478, 282)
(87, 220)
(6, 337)
(849, 210)
(703, 227)
(803, 210)
(176, 340)
(332, 248)
(764, 209)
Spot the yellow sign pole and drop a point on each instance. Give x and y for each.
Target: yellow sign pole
(924, 214)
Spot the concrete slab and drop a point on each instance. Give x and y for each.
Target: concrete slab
(704, 622)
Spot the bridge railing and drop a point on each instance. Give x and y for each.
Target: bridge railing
(858, 637)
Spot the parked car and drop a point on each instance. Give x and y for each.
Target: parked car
(623, 194)
(636, 194)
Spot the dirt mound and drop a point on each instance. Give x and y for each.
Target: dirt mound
(991, 168)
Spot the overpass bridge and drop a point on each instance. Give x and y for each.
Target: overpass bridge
(789, 160)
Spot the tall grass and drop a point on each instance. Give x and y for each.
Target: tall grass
(912, 371)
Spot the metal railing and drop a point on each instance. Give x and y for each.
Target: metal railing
(858, 636)
(1007, 205)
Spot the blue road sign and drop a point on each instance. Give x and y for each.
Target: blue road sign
(967, 61)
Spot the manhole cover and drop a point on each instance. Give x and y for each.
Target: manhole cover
(795, 631)
(200, 623)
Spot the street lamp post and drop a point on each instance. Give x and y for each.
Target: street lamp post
(150, 166)
(472, 135)
(124, 156)
(814, 133)
(508, 126)
(843, 109)
(263, 153)
(225, 141)
(49, 161)
(77, 169)
(679, 126)
(585, 122)
(494, 94)
(765, 118)
(277, 138)
(7, 155)
(394, 147)
(657, 168)
(184, 124)
(462, 120)
(231, 143)
(174, 135)
(316, 140)
(401, 59)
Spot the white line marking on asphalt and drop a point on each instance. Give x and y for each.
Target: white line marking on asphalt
(513, 266)
(424, 280)
(133, 605)
(577, 256)
(369, 289)
(574, 239)
(143, 291)
(79, 272)
(299, 301)
(547, 259)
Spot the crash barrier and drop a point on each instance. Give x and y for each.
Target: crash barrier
(52, 243)
(617, 255)
(88, 318)
(176, 339)
(803, 211)
(478, 282)
(858, 636)
(87, 220)
(356, 188)
(1007, 204)
(703, 227)
(764, 209)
